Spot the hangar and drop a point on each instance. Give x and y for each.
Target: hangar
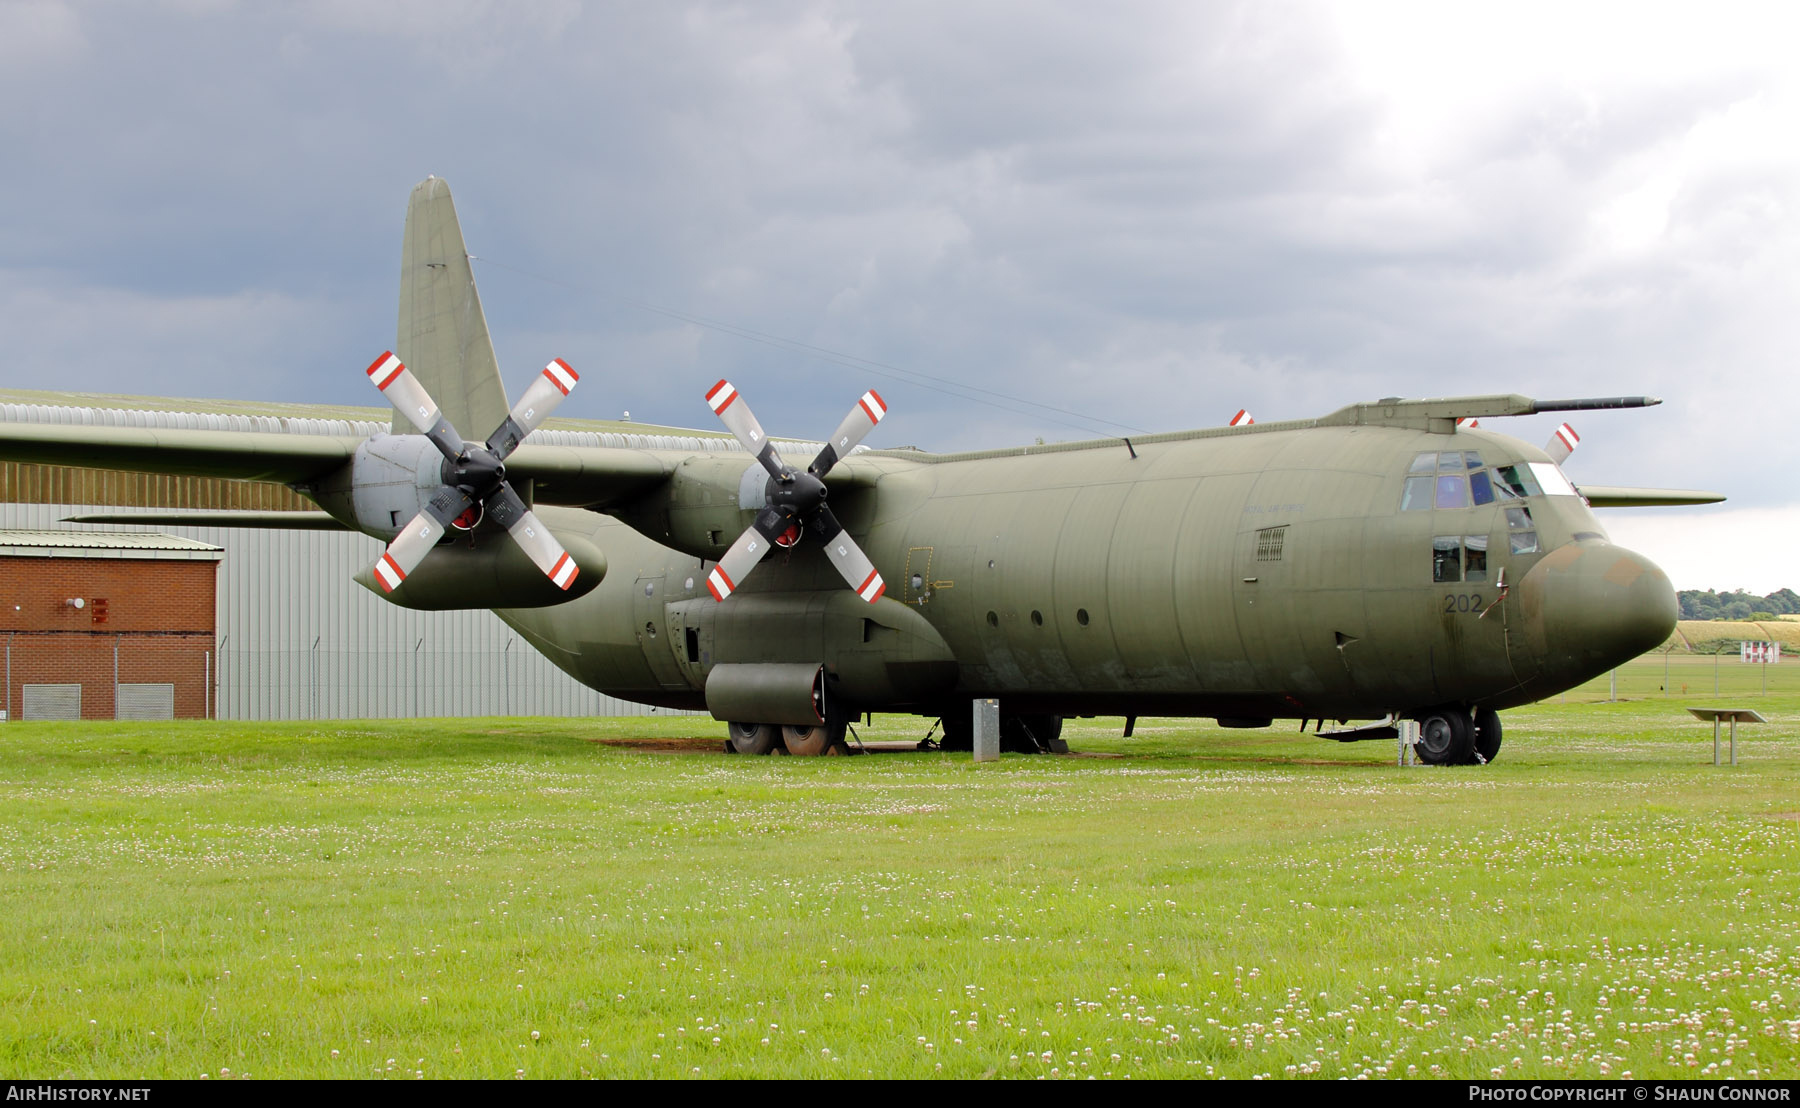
(296, 637)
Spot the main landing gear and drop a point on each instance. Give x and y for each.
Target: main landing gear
(775, 738)
(1455, 737)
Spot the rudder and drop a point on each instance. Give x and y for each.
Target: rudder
(443, 335)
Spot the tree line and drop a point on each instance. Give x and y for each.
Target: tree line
(1738, 604)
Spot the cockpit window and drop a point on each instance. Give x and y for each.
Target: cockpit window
(1446, 558)
(1519, 480)
(1463, 480)
(1452, 490)
(1475, 557)
(1481, 487)
(1549, 476)
(1418, 493)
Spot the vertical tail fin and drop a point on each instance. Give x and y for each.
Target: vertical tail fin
(443, 336)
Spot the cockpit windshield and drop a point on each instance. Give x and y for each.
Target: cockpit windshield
(1459, 479)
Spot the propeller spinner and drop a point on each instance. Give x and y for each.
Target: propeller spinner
(475, 474)
(795, 499)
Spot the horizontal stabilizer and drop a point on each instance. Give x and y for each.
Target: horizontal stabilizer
(1612, 496)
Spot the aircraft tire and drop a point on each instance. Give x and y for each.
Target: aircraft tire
(807, 740)
(958, 732)
(1446, 738)
(1487, 736)
(753, 738)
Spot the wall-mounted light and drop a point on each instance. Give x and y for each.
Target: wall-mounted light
(76, 603)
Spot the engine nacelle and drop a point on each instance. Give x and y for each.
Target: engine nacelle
(389, 481)
(491, 573)
(391, 478)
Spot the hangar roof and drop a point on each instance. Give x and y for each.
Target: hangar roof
(108, 544)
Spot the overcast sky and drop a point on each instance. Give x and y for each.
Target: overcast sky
(1139, 216)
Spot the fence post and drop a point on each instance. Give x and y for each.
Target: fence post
(219, 673)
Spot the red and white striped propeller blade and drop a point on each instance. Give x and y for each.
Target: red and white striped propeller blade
(732, 411)
(416, 539)
(540, 399)
(1243, 418)
(389, 374)
(749, 549)
(870, 410)
(848, 558)
(525, 528)
(1562, 444)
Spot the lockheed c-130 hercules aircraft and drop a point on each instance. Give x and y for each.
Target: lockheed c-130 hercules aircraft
(1387, 562)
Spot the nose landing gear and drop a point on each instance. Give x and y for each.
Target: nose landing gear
(1454, 737)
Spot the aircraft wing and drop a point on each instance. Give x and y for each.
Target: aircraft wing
(583, 476)
(587, 476)
(243, 455)
(224, 517)
(1613, 496)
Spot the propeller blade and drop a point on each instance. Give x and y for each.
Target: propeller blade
(738, 419)
(389, 374)
(847, 557)
(869, 411)
(421, 533)
(1243, 418)
(545, 393)
(524, 527)
(1562, 444)
(749, 549)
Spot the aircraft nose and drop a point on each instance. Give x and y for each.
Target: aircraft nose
(1590, 606)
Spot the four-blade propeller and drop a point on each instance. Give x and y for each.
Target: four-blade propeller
(474, 474)
(795, 499)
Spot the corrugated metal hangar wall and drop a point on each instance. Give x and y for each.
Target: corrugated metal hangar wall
(298, 639)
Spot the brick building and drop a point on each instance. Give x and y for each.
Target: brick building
(107, 625)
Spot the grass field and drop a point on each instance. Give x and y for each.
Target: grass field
(553, 898)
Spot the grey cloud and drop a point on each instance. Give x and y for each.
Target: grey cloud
(1151, 215)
